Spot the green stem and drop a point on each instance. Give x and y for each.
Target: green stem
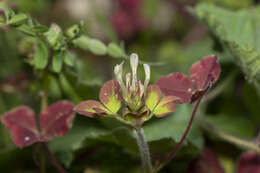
(228, 137)
(44, 104)
(144, 150)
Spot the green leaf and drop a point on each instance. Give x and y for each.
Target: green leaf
(55, 37)
(240, 126)
(97, 47)
(57, 61)
(73, 31)
(239, 31)
(69, 58)
(93, 45)
(162, 135)
(26, 29)
(54, 89)
(173, 126)
(18, 19)
(81, 42)
(68, 89)
(115, 51)
(41, 55)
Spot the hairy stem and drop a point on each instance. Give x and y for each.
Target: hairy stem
(144, 150)
(179, 144)
(54, 160)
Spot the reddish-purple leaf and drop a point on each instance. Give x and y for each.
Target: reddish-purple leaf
(205, 72)
(249, 163)
(91, 108)
(110, 95)
(178, 85)
(207, 163)
(21, 123)
(56, 120)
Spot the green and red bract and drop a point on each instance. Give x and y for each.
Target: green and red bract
(55, 121)
(111, 101)
(203, 74)
(129, 100)
(160, 106)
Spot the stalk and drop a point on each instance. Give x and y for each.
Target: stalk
(144, 150)
(179, 144)
(54, 160)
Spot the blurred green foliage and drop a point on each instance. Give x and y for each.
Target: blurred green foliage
(78, 58)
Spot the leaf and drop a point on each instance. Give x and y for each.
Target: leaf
(228, 25)
(115, 51)
(26, 29)
(249, 162)
(172, 128)
(68, 89)
(91, 108)
(96, 47)
(57, 61)
(238, 125)
(207, 163)
(205, 72)
(41, 55)
(69, 58)
(110, 95)
(81, 42)
(176, 84)
(73, 31)
(162, 135)
(17, 19)
(55, 37)
(20, 122)
(56, 120)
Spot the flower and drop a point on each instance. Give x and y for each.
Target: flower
(138, 101)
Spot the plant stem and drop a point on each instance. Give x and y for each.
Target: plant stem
(42, 162)
(144, 150)
(179, 144)
(54, 160)
(44, 100)
(228, 137)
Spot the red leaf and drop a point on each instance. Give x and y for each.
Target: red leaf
(20, 122)
(207, 163)
(249, 163)
(56, 120)
(176, 84)
(205, 72)
(91, 108)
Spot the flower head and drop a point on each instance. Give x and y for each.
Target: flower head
(135, 98)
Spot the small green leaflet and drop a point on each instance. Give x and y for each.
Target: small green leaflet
(41, 55)
(115, 51)
(57, 61)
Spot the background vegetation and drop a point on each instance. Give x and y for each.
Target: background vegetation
(78, 42)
